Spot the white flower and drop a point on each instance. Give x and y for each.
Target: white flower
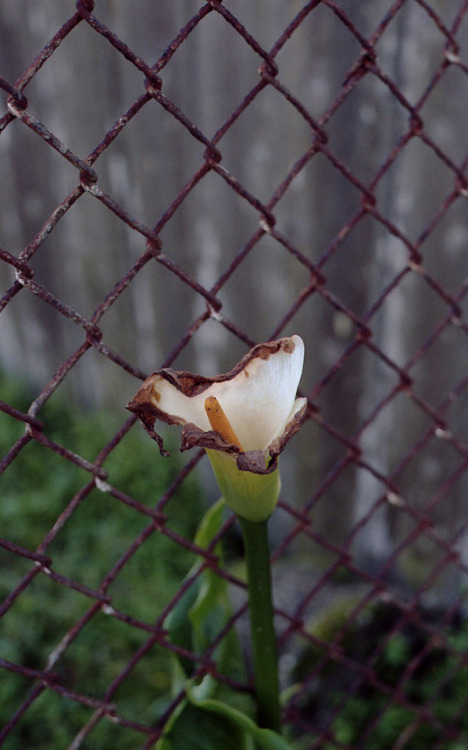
(243, 418)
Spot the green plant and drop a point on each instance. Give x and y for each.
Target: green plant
(369, 713)
(34, 490)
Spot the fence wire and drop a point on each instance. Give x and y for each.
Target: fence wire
(386, 639)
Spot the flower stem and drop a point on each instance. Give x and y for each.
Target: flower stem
(265, 657)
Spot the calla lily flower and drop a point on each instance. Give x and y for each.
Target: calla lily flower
(243, 419)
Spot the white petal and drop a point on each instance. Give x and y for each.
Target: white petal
(297, 406)
(182, 408)
(259, 401)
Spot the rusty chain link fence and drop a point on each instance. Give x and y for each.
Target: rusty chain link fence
(370, 539)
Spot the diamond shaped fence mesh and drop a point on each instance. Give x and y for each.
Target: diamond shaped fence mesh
(180, 181)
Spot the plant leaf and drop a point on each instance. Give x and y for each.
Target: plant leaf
(197, 729)
(204, 609)
(210, 725)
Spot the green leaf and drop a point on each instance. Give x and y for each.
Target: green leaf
(197, 729)
(210, 524)
(204, 609)
(180, 627)
(210, 725)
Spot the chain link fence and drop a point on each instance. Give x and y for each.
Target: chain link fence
(371, 533)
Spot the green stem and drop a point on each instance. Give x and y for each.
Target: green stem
(265, 657)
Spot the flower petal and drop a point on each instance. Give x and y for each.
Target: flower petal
(259, 400)
(257, 396)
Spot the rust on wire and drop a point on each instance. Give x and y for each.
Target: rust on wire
(334, 290)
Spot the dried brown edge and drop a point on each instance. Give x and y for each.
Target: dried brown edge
(191, 384)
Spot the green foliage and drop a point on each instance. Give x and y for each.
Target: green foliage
(371, 715)
(207, 724)
(205, 608)
(211, 716)
(35, 490)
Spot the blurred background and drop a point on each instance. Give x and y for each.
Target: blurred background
(357, 146)
(86, 86)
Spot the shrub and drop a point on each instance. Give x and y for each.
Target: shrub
(35, 489)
